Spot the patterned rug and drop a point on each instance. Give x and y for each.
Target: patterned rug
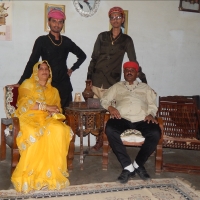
(162, 189)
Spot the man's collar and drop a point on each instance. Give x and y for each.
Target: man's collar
(112, 33)
(52, 36)
(134, 83)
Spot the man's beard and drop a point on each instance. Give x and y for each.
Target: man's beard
(55, 30)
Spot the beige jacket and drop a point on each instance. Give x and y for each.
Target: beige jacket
(134, 102)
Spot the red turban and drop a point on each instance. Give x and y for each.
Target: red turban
(116, 9)
(57, 14)
(131, 65)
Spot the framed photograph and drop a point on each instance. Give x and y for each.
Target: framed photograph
(189, 6)
(5, 20)
(124, 26)
(49, 7)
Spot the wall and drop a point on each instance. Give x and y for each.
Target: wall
(167, 42)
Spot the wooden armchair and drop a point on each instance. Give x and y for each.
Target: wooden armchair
(106, 147)
(8, 135)
(181, 127)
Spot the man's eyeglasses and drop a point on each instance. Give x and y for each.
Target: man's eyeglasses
(115, 18)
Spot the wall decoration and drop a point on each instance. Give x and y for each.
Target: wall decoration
(49, 7)
(189, 6)
(5, 20)
(86, 8)
(124, 26)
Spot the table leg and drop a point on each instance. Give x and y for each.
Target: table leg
(81, 141)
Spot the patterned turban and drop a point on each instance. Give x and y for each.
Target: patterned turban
(131, 65)
(57, 14)
(116, 9)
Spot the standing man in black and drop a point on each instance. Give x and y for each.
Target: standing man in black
(55, 48)
(105, 67)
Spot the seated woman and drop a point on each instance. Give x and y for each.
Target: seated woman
(43, 139)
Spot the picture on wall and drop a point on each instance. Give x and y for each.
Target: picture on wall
(49, 7)
(5, 20)
(124, 26)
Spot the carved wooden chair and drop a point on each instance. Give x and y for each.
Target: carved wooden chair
(10, 128)
(106, 147)
(181, 127)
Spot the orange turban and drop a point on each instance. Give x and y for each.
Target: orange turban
(116, 9)
(131, 64)
(57, 14)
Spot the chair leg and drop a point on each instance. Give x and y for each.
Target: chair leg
(159, 159)
(14, 150)
(3, 143)
(159, 150)
(106, 145)
(105, 152)
(70, 156)
(14, 159)
(159, 155)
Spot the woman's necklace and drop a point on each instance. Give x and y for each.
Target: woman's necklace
(54, 42)
(129, 88)
(114, 40)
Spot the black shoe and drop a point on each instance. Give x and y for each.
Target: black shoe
(125, 176)
(141, 171)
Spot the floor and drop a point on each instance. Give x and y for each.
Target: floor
(93, 173)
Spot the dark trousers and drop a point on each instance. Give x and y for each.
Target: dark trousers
(65, 100)
(151, 132)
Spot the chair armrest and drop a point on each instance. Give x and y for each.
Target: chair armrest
(106, 118)
(160, 122)
(15, 131)
(11, 139)
(70, 121)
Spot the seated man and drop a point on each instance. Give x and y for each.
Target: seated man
(135, 109)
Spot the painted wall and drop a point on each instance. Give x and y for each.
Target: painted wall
(167, 42)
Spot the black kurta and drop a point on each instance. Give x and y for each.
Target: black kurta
(57, 59)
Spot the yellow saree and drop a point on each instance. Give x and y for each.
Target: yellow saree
(43, 141)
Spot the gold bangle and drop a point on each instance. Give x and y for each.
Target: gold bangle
(44, 107)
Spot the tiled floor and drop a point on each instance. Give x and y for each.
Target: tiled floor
(93, 173)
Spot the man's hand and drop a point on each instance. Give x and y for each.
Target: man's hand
(69, 72)
(149, 118)
(114, 112)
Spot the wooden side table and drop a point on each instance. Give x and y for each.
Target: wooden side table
(83, 121)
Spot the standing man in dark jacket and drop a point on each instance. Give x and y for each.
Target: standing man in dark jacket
(55, 48)
(105, 67)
